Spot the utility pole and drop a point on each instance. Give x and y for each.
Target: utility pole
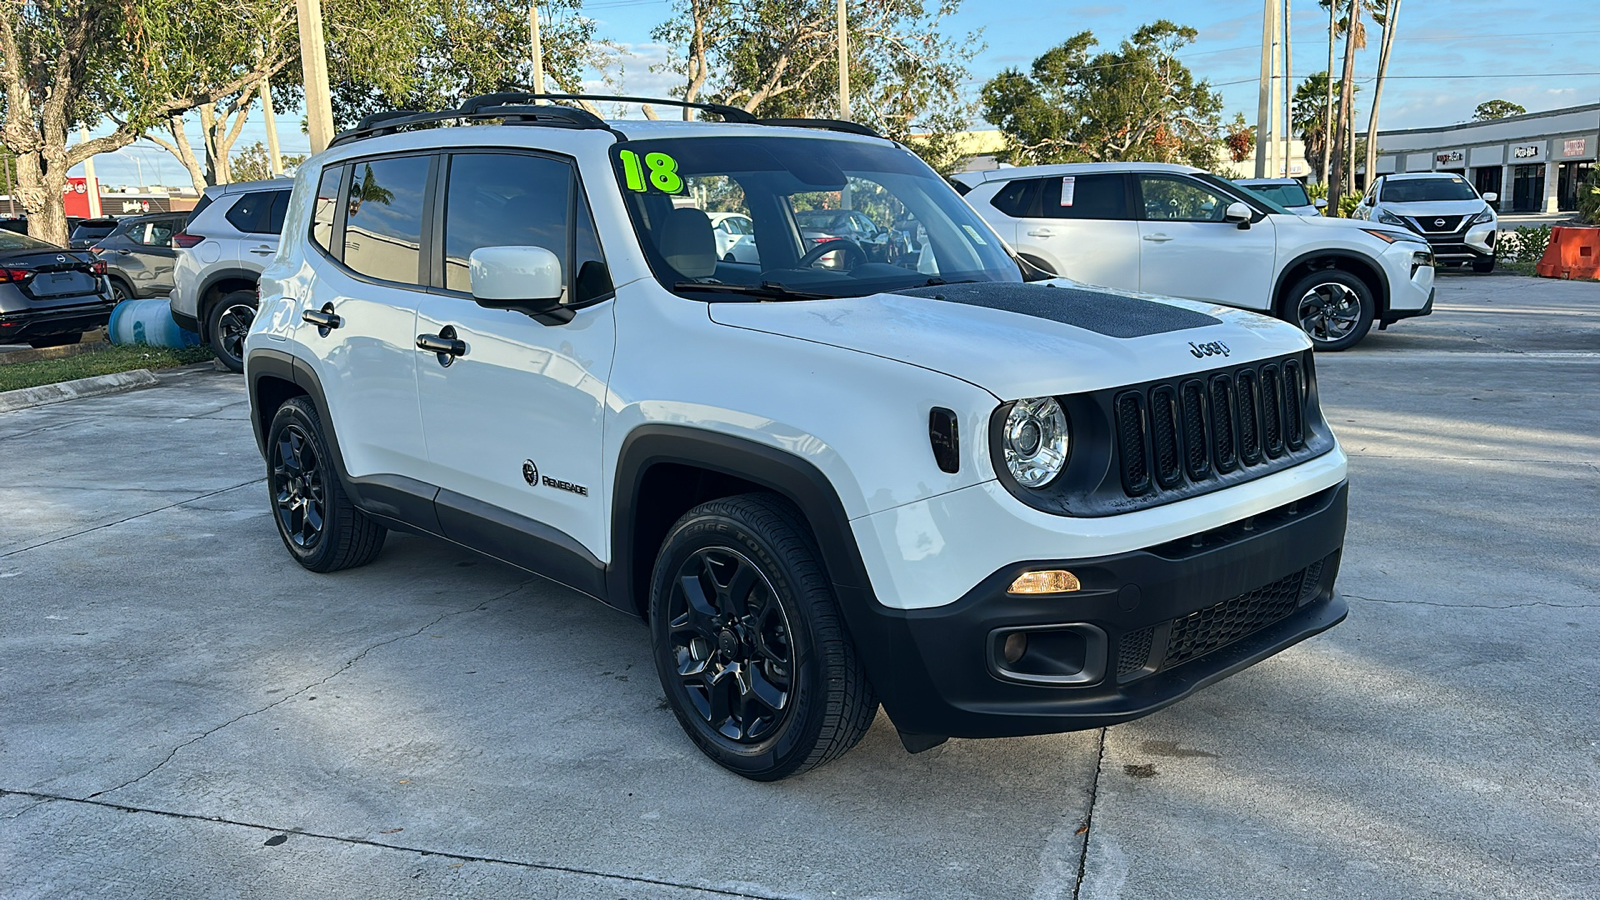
(536, 49)
(1288, 85)
(1267, 105)
(844, 66)
(314, 64)
(274, 158)
(1327, 110)
(90, 182)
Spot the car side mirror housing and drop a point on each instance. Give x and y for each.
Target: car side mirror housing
(1320, 203)
(1239, 213)
(525, 279)
(1491, 197)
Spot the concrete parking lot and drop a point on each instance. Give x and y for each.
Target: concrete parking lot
(184, 712)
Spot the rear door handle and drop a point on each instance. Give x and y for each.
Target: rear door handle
(1157, 238)
(1041, 232)
(263, 250)
(323, 318)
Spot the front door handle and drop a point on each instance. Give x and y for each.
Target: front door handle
(445, 344)
(1041, 232)
(1157, 238)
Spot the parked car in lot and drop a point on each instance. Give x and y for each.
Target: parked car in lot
(49, 295)
(89, 232)
(1287, 193)
(997, 507)
(1181, 232)
(736, 238)
(1446, 209)
(138, 254)
(228, 238)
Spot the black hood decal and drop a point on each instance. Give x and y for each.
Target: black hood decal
(1112, 315)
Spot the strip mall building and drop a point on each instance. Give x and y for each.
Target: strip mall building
(1535, 162)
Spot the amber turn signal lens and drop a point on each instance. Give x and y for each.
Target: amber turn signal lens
(1049, 581)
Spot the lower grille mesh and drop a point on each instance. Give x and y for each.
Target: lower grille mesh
(1205, 630)
(1135, 651)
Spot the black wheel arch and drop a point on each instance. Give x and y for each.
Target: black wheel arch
(1358, 264)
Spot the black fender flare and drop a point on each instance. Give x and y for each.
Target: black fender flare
(1380, 302)
(202, 311)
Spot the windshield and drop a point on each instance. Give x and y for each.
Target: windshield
(828, 218)
(10, 240)
(1423, 190)
(1281, 194)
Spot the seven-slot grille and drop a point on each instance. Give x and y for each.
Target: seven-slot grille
(1194, 429)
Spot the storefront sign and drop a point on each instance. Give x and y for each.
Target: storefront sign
(1450, 158)
(1527, 153)
(1577, 147)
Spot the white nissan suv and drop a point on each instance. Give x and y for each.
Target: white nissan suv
(825, 481)
(1444, 209)
(1181, 232)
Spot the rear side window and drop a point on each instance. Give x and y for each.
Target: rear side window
(1018, 199)
(1085, 197)
(323, 209)
(504, 199)
(259, 212)
(383, 218)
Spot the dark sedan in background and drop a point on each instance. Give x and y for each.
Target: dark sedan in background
(49, 295)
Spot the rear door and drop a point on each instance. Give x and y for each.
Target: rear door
(145, 256)
(259, 217)
(1187, 249)
(1084, 228)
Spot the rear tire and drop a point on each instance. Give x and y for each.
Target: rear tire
(749, 643)
(56, 340)
(1333, 307)
(227, 324)
(319, 525)
(120, 290)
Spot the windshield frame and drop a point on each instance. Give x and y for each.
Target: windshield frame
(766, 168)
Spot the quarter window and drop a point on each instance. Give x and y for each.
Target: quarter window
(259, 212)
(325, 208)
(383, 218)
(1018, 199)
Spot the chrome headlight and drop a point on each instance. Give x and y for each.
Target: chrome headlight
(1486, 216)
(1389, 218)
(1035, 441)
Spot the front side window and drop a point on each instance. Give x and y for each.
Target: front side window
(833, 217)
(1173, 199)
(383, 218)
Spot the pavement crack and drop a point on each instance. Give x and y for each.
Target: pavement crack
(1088, 820)
(385, 845)
(1351, 596)
(348, 664)
(123, 521)
(37, 802)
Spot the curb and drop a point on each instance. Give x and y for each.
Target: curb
(27, 356)
(79, 388)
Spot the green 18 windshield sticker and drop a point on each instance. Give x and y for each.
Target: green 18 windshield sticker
(663, 172)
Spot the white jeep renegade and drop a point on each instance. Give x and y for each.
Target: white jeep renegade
(852, 474)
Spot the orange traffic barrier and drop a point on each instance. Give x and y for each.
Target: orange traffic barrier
(1572, 253)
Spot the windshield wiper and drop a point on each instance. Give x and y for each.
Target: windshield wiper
(770, 289)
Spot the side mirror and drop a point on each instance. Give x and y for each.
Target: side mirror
(526, 279)
(1239, 213)
(1491, 197)
(1320, 203)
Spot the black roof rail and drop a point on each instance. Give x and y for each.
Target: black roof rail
(375, 118)
(825, 124)
(389, 123)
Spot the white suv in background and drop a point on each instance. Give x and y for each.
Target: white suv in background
(229, 238)
(1445, 209)
(1181, 232)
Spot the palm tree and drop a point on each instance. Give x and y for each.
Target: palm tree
(1385, 13)
(1309, 124)
(1344, 161)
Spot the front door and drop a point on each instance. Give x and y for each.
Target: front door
(1187, 249)
(514, 423)
(1527, 188)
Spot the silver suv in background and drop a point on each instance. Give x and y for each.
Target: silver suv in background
(1446, 209)
(228, 240)
(1287, 193)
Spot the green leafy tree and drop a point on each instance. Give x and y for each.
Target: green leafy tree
(65, 63)
(1589, 197)
(1490, 110)
(251, 163)
(1135, 103)
(780, 58)
(1309, 117)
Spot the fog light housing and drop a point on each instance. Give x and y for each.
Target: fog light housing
(1015, 646)
(1046, 581)
(1071, 653)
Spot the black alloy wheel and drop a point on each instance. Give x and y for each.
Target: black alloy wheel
(749, 643)
(321, 528)
(230, 321)
(730, 637)
(299, 491)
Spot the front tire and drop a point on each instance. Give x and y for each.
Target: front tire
(749, 643)
(1333, 307)
(319, 525)
(227, 324)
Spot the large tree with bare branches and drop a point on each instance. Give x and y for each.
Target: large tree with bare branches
(1137, 102)
(136, 63)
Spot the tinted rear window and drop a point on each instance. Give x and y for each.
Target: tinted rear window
(11, 240)
(205, 201)
(1084, 197)
(383, 218)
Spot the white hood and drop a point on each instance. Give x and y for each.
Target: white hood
(1028, 340)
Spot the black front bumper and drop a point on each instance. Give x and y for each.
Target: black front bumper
(1147, 629)
(27, 325)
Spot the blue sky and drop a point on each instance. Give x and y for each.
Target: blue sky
(1512, 51)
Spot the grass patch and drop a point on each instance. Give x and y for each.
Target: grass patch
(101, 362)
(1521, 268)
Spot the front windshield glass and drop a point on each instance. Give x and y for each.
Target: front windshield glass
(827, 218)
(1425, 190)
(1281, 194)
